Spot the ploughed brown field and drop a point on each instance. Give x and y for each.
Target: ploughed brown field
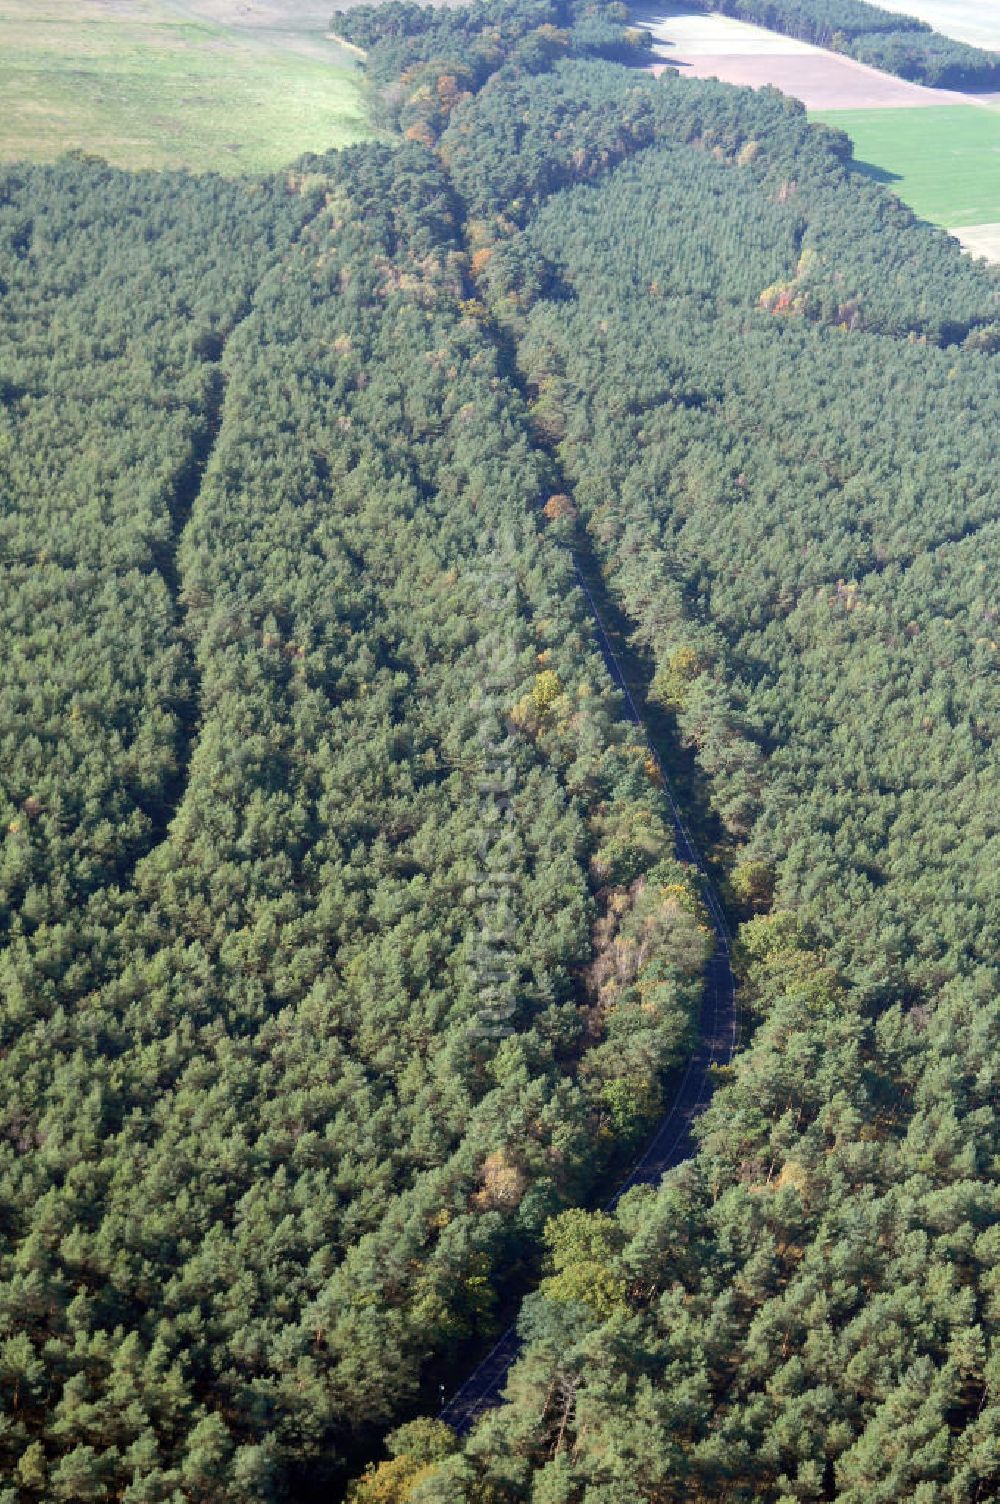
(711, 46)
(822, 83)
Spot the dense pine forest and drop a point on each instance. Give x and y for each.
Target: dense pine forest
(345, 955)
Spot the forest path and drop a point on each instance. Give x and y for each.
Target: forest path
(718, 1026)
(186, 491)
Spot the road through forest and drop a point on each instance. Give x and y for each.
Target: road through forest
(672, 1142)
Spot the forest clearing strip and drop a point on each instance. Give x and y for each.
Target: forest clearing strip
(182, 503)
(180, 506)
(718, 1029)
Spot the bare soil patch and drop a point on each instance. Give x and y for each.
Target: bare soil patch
(691, 34)
(979, 240)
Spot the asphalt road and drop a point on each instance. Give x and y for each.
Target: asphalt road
(672, 1142)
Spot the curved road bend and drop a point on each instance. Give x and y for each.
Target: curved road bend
(672, 1143)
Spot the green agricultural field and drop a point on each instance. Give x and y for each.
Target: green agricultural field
(944, 161)
(158, 83)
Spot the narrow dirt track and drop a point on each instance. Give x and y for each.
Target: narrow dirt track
(672, 1142)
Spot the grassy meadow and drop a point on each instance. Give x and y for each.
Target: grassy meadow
(204, 84)
(944, 161)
